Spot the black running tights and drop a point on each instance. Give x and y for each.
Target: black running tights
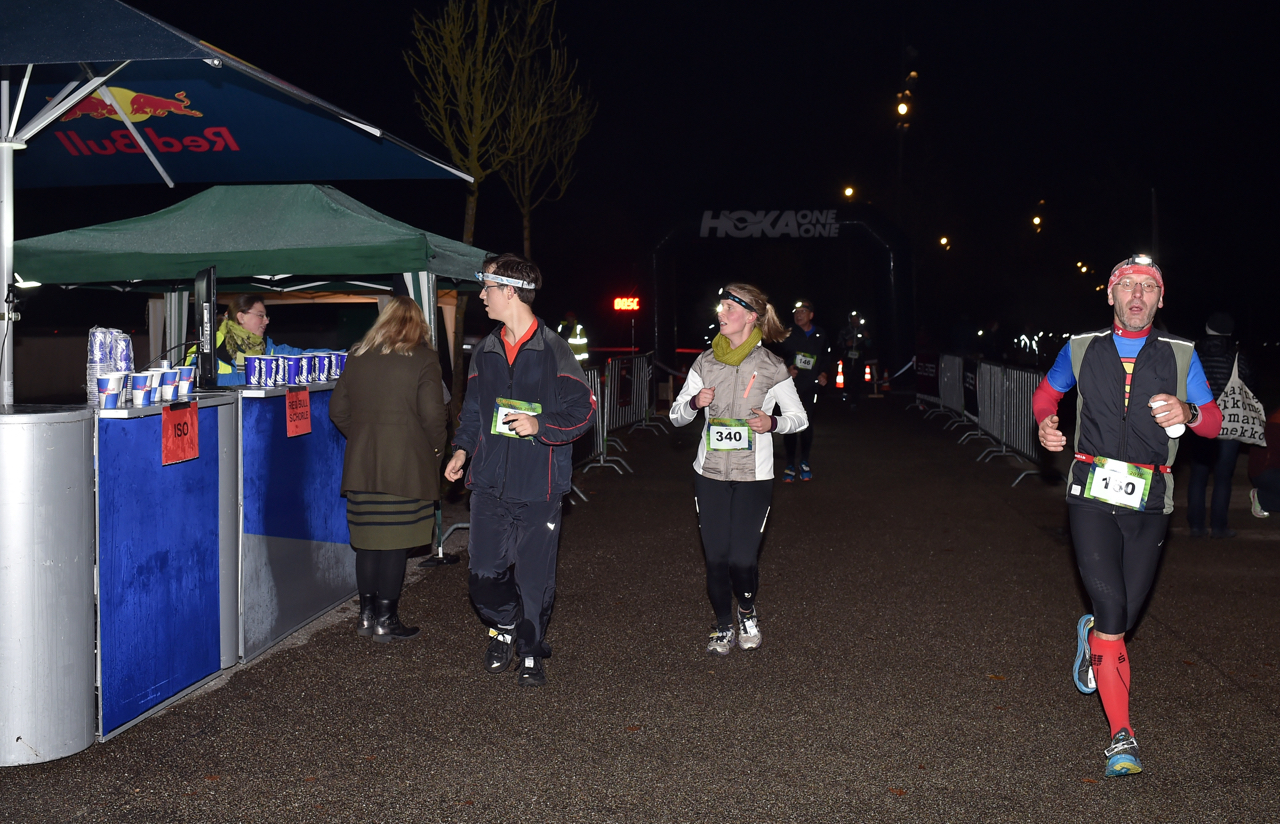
(1118, 554)
(731, 516)
(380, 572)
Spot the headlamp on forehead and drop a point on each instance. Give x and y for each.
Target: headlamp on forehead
(725, 294)
(519, 284)
(802, 305)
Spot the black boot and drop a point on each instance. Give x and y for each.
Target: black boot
(364, 624)
(386, 622)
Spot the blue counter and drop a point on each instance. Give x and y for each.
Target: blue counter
(160, 562)
(295, 556)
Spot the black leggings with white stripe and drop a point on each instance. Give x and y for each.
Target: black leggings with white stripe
(731, 516)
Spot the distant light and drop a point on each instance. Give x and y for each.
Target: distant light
(848, 191)
(862, 320)
(943, 241)
(1079, 265)
(1084, 269)
(902, 108)
(1036, 221)
(979, 333)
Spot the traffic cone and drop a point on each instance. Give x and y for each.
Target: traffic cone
(839, 374)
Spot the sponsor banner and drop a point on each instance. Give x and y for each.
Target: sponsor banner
(775, 223)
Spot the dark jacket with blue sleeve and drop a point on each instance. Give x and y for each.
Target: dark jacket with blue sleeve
(545, 372)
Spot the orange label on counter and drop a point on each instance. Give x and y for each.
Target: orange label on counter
(179, 433)
(297, 406)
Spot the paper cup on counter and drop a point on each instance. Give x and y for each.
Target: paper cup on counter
(297, 369)
(169, 385)
(186, 377)
(110, 387)
(140, 388)
(321, 367)
(337, 363)
(255, 367)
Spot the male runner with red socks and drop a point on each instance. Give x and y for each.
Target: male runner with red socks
(1137, 391)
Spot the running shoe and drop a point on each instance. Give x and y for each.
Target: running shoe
(789, 475)
(721, 641)
(1256, 508)
(1122, 755)
(531, 673)
(748, 629)
(1082, 673)
(806, 474)
(498, 657)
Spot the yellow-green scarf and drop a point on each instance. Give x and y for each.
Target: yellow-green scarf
(726, 353)
(239, 341)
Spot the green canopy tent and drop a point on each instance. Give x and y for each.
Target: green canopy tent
(280, 238)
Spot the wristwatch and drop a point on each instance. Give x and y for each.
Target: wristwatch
(1195, 414)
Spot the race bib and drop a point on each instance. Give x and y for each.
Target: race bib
(725, 434)
(502, 407)
(1118, 483)
(805, 361)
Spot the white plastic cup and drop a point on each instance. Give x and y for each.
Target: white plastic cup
(1175, 431)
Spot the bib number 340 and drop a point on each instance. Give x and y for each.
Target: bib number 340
(725, 434)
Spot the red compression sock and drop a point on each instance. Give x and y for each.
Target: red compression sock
(1111, 669)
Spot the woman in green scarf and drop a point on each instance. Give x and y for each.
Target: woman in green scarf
(243, 332)
(747, 394)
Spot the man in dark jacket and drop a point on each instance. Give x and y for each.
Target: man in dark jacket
(807, 353)
(1138, 391)
(526, 401)
(1218, 353)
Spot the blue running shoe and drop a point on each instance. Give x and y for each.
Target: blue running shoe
(1122, 755)
(1082, 672)
(806, 474)
(789, 475)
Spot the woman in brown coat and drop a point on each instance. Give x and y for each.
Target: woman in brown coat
(389, 403)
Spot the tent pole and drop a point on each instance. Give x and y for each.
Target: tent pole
(427, 283)
(6, 264)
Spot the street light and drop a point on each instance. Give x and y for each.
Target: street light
(848, 193)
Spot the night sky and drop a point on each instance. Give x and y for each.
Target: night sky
(753, 105)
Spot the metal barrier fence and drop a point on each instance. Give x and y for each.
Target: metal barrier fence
(631, 400)
(1004, 415)
(594, 450)
(950, 385)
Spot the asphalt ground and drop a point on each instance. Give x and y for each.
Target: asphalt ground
(918, 616)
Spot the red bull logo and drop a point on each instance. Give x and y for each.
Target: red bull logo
(212, 139)
(139, 106)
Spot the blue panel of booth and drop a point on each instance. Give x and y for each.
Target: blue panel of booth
(158, 566)
(292, 486)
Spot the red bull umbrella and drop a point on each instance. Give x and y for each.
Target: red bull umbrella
(93, 92)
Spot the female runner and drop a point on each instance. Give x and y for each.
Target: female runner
(739, 384)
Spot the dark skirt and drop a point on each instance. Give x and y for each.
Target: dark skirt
(381, 521)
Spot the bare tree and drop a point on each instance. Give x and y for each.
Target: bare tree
(461, 65)
(547, 113)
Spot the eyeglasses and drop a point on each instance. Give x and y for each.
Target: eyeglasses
(262, 315)
(1130, 285)
(486, 288)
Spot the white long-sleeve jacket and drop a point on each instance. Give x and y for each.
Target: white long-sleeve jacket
(760, 382)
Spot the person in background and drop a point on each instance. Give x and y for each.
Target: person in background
(740, 385)
(243, 331)
(389, 403)
(527, 400)
(807, 354)
(1119, 490)
(574, 335)
(1264, 471)
(1218, 355)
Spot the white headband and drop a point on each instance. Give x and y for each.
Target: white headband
(519, 284)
